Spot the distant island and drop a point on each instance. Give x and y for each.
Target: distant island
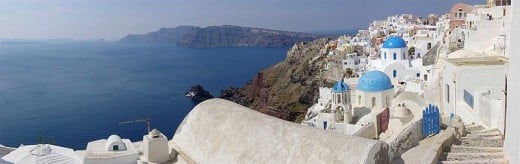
(17, 42)
(221, 36)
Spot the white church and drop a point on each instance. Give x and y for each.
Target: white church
(395, 61)
(348, 112)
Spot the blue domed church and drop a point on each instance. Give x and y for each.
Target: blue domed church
(341, 108)
(374, 90)
(347, 111)
(394, 60)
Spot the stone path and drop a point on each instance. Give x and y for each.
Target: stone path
(480, 145)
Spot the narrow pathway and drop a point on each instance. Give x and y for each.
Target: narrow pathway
(480, 145)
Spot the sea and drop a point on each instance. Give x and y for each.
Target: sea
(68, 93)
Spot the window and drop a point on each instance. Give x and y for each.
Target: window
(395, 56)
(373, 102)
(404, 56)
(455, 15)
(115, 147)
(359, 99)
(394, 73)
(468, 98)
(418, 74)
(447, 93)
(385, 55)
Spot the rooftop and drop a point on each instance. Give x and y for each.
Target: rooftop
(340, 86)
(478, 61)
(97, 149)
(374, 81)
(394, 42)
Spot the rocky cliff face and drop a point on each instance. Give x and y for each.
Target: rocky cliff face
(221, 36)
(287, 89)
(164, 35)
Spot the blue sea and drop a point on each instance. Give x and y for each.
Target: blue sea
(70, 93)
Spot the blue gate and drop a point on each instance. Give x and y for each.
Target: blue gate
(431, 120)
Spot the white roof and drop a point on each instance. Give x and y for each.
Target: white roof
(97, 149)
(114, 140)
(42, 153)
(464, 53)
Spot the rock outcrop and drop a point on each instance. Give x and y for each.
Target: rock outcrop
(221, 36)
(198, 94)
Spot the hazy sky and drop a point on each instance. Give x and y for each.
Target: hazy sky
(113, 19)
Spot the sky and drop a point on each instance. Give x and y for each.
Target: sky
(114, 19)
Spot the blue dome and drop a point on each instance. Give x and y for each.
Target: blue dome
(394, 42)
(340, 86)
(374, 81)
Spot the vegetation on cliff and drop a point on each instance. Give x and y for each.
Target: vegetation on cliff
(221, 36)
(287, 89)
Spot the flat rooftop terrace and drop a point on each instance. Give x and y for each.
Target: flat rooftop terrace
(478, 61)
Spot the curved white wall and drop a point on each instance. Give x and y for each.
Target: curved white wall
(220, 131)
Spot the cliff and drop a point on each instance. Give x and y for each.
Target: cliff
(287, 89)
(220, 36)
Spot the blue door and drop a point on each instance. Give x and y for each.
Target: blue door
(394, 73)
(324, 124)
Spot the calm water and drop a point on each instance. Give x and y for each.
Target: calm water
(72, 93)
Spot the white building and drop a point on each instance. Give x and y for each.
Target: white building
(473, 88)
(341, 105)
(41, 153)
(512, 134)
(374, 90)
(395, 61)
(155, 147)
(423, 41)
(487, 30)
(356, 63)
(374, 93)
(113, 150)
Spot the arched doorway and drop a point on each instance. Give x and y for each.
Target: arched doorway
(339, 114)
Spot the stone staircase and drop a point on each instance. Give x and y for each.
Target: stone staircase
(480, 145)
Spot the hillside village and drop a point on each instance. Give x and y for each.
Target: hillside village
(405, 90)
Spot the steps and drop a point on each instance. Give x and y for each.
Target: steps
(495, 141)
(488, 161)
(473, 149)
(473, 156)
(480, 145)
